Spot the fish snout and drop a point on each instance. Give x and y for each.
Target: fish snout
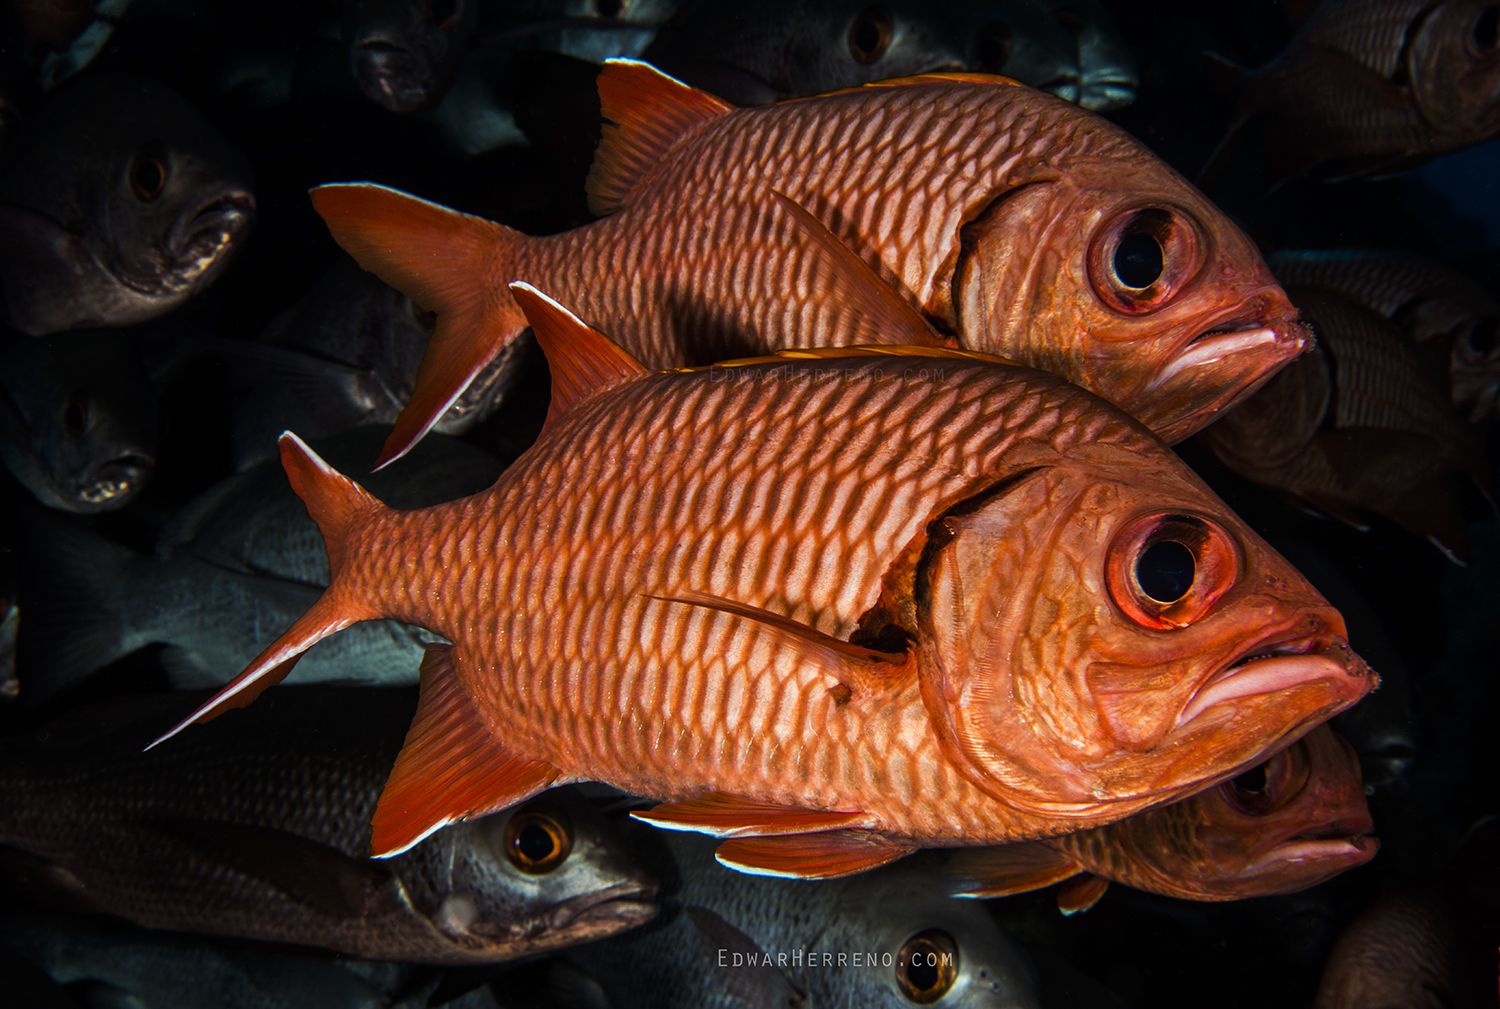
(202, 237)
(113, 483)
(603, 912)
(399, 78)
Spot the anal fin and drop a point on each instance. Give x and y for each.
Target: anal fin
(452, 768)
(724, 815)
(824, 855)
(1006, 869)
(1081, 893)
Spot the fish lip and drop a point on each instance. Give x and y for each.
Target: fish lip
(108, 484)
(1234, 335)
(1267, 667)
(631, 898)
(1354, 848)
(216, 222)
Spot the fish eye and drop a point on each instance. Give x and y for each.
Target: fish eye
(1143, 259)
(1167, 571)
(538, 839)
(870, 34)
(992, 47)
(927, 966)
(148, 174)
(76, 416)
(1272, 783)
(1486, 34)
(1483, 336)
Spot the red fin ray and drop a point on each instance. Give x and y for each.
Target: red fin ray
(1081, 893)
(447, 262)
(581, 359)
(647, 112)
(824, 855)
(452, 768)
(1007, 869)
(724, 815)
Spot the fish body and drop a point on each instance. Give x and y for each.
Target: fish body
(1453, 320)
(262, 834)
(118, 202)
(792, 48)
(1290, 823)
(1398, 953)
(405, 53)
(1017, 253)
(677, 619)
(231, 571)
(1370, 87)
(888, 917)
(345, 356)
(1362, 423)
(78, 419)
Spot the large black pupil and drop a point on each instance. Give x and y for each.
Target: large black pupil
(535, 843)
(148, 176)
(922, 975)
(1165, 571)
(1484, 336)
(1138, 260)
(1487, 28)
(1253, 780)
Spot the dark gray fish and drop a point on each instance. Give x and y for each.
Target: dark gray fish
(118, 202)
(405, 53)
(106, 965)
(78, 419)
(1108, 76)
(344, 356)
(749, 942)
(802, 47)
(231, 571)
(261, 831)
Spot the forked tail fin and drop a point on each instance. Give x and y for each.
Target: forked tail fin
(338, 505)
(448, 262)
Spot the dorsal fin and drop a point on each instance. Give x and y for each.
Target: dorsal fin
(451, 768)
(582, 360)
(647, 112)
(850, 280)
(725, 815)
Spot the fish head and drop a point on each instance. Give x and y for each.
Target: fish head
(925, 948)
(1119, 275)
(1474, 366)
(1454, 69)
(543, 875)
(1109, 78)
(78, 419)
(1100, 633)
(405, 53)
(1286, 824)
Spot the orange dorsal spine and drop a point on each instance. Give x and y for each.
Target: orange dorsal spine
(647, 112)
(447, 262)
(338, 505)
(581, 359)
(452, 767)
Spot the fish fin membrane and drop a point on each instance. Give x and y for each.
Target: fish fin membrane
(581, 359)
(447, 262)
(647, 112)
(823, 855)
(340, 507)
(762, 985)
(859, 668)
(724, 815)
(1081, 893)
(1007, 869)
(848, 280)
(958, 76)
(452, 768)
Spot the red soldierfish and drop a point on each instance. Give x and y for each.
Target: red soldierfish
(832, 605)
(1291, 823)
(1019, 224)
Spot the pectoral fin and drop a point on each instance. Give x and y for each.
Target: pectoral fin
(756, 983)
(824, 855)
(724, 815)
(1007, 869)
(1081, 893)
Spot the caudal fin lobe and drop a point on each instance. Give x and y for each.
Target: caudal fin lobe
(340, 507)
(448, 262)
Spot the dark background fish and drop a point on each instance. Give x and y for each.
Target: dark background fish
(84, 247)
(405, 53)
(263, 833)
(78, 418)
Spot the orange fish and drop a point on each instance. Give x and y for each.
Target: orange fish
(1450, 317)
(1371, 87)
(1290, 823)
(831, 605)
(1361, 423)
(1019, 224)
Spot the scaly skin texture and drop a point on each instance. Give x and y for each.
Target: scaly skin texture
(965, 506)
(1306, 824)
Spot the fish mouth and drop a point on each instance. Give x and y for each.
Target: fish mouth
(1333, 852)
(1275, 666)
(113, 483)
(1108, 90)
(200, 241)
(617, 907)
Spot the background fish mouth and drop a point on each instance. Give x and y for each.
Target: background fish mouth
(113, 483)
(202, 240)
(1108, 90)
(619, 906)
(1331, 854)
